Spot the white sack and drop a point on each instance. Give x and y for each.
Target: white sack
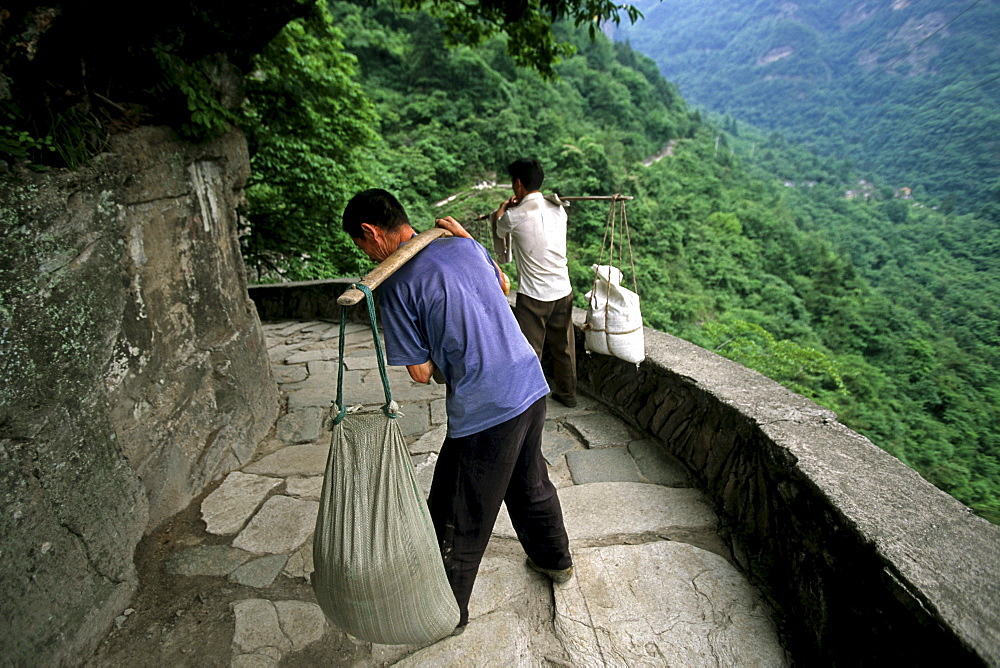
(614, 321)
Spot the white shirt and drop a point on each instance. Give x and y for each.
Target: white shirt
(538, 236)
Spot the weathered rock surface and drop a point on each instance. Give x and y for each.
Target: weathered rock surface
(282, 526)
(302, 426)
(133, 375)
(662, 604)
(612, 464)
(207, 560)
(228, 508)
(597, 511)
(296, 460)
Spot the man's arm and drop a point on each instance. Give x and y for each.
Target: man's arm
(502, 225)
(455, 227)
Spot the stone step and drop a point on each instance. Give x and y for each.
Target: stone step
(602, 513)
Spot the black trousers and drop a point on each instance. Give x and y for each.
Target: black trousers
(548, 326)
(474, 474)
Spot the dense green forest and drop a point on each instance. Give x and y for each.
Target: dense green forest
(880, 308)
(877, 307)
(907, 89)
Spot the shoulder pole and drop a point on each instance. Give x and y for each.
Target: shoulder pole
(388, 266)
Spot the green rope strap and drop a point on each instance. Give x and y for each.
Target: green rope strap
(390, 406)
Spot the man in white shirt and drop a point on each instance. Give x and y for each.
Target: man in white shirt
(536, 227)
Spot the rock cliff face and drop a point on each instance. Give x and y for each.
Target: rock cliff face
(133, 373)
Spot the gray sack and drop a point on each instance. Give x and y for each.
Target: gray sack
(379, 574)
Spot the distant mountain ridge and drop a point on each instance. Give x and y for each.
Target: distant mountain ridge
(907, 89)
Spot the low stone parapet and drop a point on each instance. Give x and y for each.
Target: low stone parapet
(864, 560)
(303, 300)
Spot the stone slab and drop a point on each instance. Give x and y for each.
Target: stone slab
(415, 419)
(439, 411)
(662, 603)
(430, 441)
(312, 356)
(300, 564)
(301, 621)
(294, 460)
(423, 466)
(305, 488)
(322, 368)
(360, 362)
(604, 511)
(505, 583)
(556, 411)
(599, 430)
(278, 354)
(316, 328)
(258, 628)
(291, 327)
(228, 508)
(266, 657)
(557, 440)
(498, 639)
(325, 382)
(281, 527)
(656, 465)
(300, 426)
(602, 465)
(322, 398)
(260, 572)
(289, 374)
(217, 560)
(410, 392)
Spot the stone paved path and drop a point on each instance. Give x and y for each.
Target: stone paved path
(652, 587)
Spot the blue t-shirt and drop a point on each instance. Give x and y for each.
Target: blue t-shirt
(446, 305)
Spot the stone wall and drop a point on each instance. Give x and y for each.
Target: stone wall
(133, 372)
(305, 300)
(864, 560)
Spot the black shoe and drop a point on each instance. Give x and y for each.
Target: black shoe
(459, 630)
(558, 576)
(568, 403)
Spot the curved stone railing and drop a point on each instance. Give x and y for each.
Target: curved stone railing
(863, 560)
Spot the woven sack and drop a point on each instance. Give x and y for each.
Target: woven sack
(614, 320)
(378, 573)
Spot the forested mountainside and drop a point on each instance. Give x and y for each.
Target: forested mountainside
(880, 308)
(907, 89)
(849, 302)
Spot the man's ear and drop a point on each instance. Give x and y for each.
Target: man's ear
(368, 231)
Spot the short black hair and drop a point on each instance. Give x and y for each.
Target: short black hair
(528, 171)
(374, 206)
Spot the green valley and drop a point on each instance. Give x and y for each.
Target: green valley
(907, 89)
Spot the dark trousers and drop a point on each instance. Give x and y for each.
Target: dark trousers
(549, 326)
(472, 476)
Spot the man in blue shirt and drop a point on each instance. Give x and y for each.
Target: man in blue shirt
(445, 310)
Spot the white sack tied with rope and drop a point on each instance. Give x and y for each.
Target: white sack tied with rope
(614, 320)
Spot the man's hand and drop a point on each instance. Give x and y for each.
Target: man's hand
(507, 203)
(453, 226)
(421, 373)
